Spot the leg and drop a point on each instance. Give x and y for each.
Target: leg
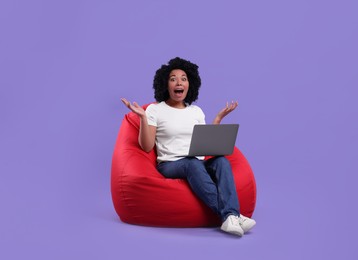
(193, 170)
(233, 222)
(220, 170)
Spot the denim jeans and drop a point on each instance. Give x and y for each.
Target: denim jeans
(212, 181)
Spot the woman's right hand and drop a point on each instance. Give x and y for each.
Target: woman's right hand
(134, 107)
(146, 137)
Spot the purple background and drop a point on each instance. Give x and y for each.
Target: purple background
(64, 66)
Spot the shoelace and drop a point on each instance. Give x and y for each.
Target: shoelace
(237, 220)
(241, 220)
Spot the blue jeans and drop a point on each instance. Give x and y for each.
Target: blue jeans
(212, 181)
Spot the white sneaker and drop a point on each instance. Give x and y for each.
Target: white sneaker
(232, 225)
(246, 223)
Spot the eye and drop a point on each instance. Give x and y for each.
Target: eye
(172, 79)
(184, 79)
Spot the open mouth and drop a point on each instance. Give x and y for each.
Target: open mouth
(178, 91)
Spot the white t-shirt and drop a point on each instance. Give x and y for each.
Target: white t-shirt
(174, 128)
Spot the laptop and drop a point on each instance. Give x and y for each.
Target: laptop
(213, 140)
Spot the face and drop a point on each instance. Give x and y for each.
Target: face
(178, 85)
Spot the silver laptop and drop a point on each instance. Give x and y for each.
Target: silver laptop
(213, 140)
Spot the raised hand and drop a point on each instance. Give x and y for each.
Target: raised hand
(225, 111)
(134, 107)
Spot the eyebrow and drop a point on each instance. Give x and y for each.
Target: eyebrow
(173, 75)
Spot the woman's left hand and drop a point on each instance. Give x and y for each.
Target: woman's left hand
(225, 111)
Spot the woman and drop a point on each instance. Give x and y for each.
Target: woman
(169, 123)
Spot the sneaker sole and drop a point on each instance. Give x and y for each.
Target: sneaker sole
(233, 232)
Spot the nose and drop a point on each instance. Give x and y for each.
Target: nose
(179, 82)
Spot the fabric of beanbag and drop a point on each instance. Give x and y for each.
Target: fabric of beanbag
(142, 196)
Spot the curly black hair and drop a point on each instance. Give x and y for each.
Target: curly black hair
(160, 83)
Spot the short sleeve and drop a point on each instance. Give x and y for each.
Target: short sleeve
(201, 116)
(151, 113)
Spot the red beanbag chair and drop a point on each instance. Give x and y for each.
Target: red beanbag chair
(142, 196)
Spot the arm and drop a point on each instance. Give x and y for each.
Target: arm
(225, 111)
(146, 137)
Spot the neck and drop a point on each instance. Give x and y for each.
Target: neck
(175, 104)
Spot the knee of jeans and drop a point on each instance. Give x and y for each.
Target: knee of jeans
(195, 163)
(221, 160)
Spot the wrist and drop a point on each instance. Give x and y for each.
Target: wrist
(217, 120)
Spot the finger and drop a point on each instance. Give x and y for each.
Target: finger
(126, 102)
(233, 105)
(136, 104)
